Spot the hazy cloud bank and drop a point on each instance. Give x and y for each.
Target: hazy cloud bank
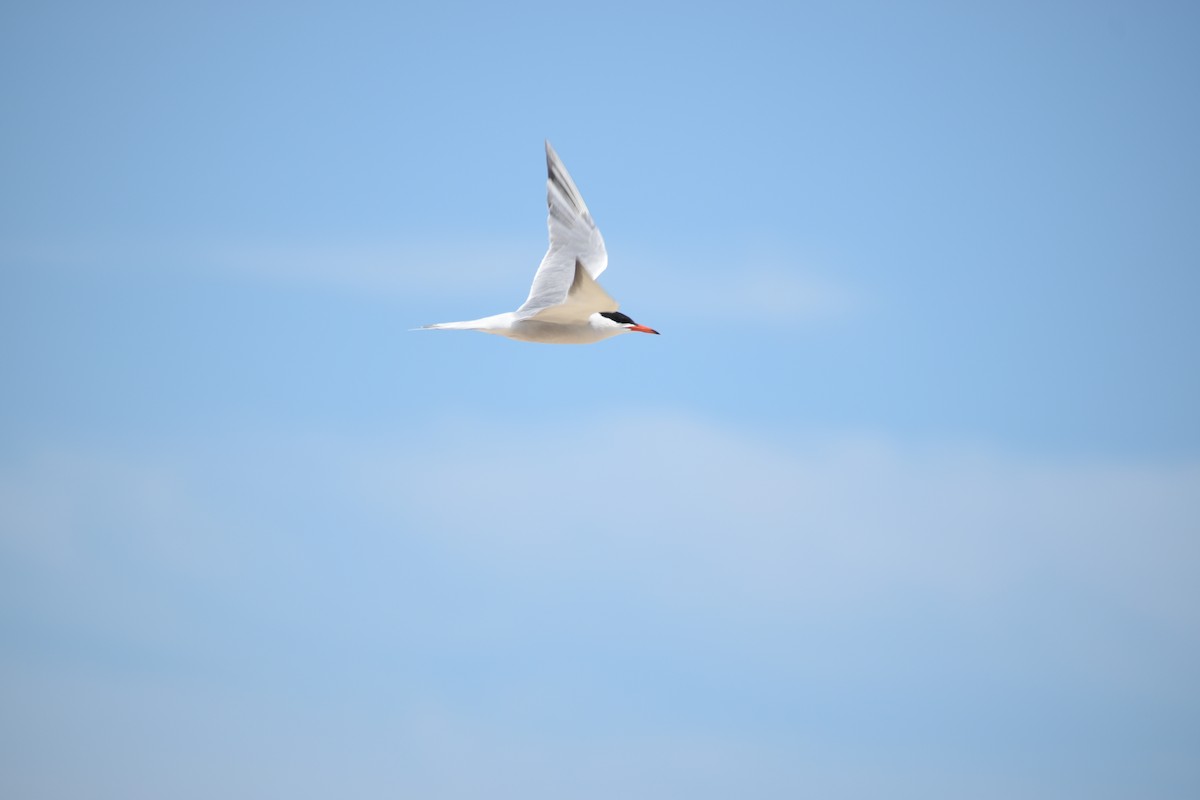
(617, 599)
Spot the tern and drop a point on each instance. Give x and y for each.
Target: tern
(565, 304)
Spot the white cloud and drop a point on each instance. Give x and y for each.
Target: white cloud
(754, 294)
(397, 268)
(753, 289)
(391, 267)
(756, 284)
(690, 507)
(675, 506)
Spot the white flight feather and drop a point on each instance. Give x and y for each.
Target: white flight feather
(564, 288)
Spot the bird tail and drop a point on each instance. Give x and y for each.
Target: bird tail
(450, 326)
(493, 324)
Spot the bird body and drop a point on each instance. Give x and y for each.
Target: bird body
(533, 330)
(565, 304)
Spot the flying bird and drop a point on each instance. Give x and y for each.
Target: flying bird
(565, 304)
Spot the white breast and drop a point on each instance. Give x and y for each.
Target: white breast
(531, 330)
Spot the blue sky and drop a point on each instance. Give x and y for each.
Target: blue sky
(905, 501)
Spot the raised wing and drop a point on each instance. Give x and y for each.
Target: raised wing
(584, 298)
(574, 241)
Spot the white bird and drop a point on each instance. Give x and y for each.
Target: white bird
(565, 304)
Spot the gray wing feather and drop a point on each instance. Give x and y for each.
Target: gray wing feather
(574, 242)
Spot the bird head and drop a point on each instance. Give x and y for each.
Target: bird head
(619, 320)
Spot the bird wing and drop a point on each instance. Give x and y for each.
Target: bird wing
(584, 298)
(575, 246)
